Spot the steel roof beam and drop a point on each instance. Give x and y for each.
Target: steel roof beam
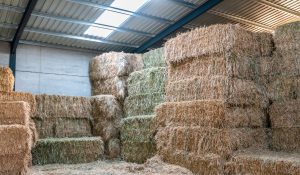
(241, 20)
(12, 8)
(122, 11)
(183, 21)
(65, 35)
(184, 3)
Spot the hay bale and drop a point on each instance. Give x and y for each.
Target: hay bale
(15, 164)
(20, 96)
(6, 79)
(55, 106)
(263, 163)
(286, 139)
(68, 150)
(154, 58)
(285, 114)
(206, 140)
(147, 81)
(114, 148)
(107, 115)
(116, 86)
(287, 37)
(208, 113)
(137, 138)
(230, 90)
(216, 39)
(12, 113)
(142, 104)
(284, 88)
(113, 64)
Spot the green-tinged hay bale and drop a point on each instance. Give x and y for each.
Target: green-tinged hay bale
(216, 39)
(113, 64)
(7, 79)
(284, 88)
(147, 81)
(287, 37)
(14, 139)
(63, 127)
(20, 96)
(208, 113)
(137, 152)
(230, 90)
(68, 150)
(143, 104)
(285, 114)
(14, 164)
(154, 58)
(214, 65)
(114, 148)
(286, 139)
(263, 163)
(208, 164)
(55, 106)
(206, 140)
(12, 113)
(137, 138)
(107, 115)
(116, 86)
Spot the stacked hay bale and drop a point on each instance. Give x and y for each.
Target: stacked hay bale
(215, 107)
(15, 138)
(284, 89)
(146, 89)
(6, 79)
(109, 72)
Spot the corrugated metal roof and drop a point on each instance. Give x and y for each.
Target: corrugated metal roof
(63, 22)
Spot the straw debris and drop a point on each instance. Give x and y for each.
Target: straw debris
(154, 58)
(6, 79)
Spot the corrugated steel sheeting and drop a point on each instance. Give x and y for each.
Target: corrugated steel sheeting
(71, 18)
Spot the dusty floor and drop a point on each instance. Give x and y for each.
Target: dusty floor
(153, 166)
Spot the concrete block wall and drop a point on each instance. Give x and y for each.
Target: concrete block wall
(51, 71)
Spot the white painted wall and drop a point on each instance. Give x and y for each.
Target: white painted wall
(51, 71)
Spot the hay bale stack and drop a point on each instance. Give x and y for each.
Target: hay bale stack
(108, 73)
(68, 150)
(263, 163)
(16, 138)
(154, 58)
(6, 79)
(137, 139)
(107, 114)
(63, 116)
(215, 104)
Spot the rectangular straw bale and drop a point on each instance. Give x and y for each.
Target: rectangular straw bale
(56, 106)
(286, 139)
(209, 113)
(287, 37)
(216, 39)
(68, 150)
(112, 64)
(214, 65)
(20, 96)
(6, 79)
(14, 113)
(285, 114)
(107, 115)
(208, 164)
(231, 90)
(142, 104)
(154, 58)
(205, 140)
(264, 163)
(147, 81)
(284, 88)
(137, 138)
(63, 127)
(116, 86)
(14, 139)
(14, 164)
